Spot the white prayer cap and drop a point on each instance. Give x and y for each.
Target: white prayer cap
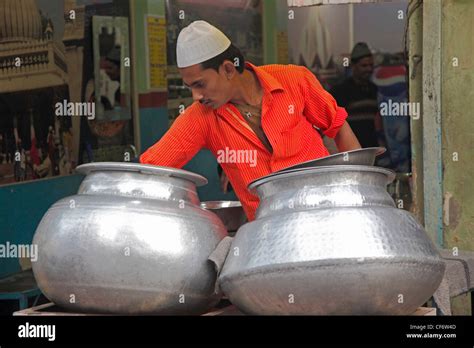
(199, 42)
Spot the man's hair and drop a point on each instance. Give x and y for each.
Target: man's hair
(117, 63)
(357, 60)
(232, 53)
(361, 50)
(114, 55)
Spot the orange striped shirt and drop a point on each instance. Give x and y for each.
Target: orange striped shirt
(293, 101)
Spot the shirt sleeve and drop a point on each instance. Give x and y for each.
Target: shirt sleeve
(181, 142)
(321, 108)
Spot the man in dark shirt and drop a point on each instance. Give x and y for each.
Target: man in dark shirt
(358, 95)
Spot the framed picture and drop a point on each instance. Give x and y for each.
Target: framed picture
(111, 68)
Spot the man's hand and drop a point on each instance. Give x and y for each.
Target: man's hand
(346, 139)
(224, 182)
(223, 179)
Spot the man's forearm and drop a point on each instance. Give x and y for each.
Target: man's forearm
(345, 139)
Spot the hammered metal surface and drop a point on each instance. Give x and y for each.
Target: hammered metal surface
(345, 175)
(129, 243)
(330, 243)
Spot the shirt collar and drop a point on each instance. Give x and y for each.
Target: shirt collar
(268, 82)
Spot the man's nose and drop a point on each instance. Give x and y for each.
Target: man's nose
(196, 95)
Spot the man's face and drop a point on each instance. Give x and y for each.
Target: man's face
(209, 87)
(112, 70)
(364, 68)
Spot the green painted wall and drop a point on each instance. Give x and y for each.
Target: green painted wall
(23, 205)
(275, 19)
(140, 9)
(458, 129)
(416, 126)
(153, 121)
(457, 124)
(269, 34)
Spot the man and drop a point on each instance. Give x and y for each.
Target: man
(112, 64)
(266, 113)
(358, 95)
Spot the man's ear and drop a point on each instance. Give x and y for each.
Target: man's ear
(228, 69)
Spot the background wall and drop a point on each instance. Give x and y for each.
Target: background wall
(152, 108)
(373, 23)
(23, 205)
(457, 126)
(457, 129)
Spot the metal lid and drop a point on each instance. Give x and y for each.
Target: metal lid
(319, 170)
(86, 169)
(363, 157)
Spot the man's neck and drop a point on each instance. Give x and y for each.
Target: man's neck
(249, 90)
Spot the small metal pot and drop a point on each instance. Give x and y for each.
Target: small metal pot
(230, 212)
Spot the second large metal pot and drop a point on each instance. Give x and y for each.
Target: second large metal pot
(330, 240)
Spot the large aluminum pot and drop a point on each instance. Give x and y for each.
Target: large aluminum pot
(330, 240)
(134, 240)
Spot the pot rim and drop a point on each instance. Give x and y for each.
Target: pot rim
(88, 168)
(319, 162)
(216, 205)
(323, 169)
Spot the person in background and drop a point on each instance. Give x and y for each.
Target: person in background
(112, 63)
(358, 95)
(391, 79)
(111, 66)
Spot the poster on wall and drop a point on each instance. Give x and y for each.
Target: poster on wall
(35, 130)
(106, 83)
(282, 47)
(50, 123)
(156, 67)
(111, 68)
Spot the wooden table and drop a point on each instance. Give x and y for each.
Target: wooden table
(50, 309)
